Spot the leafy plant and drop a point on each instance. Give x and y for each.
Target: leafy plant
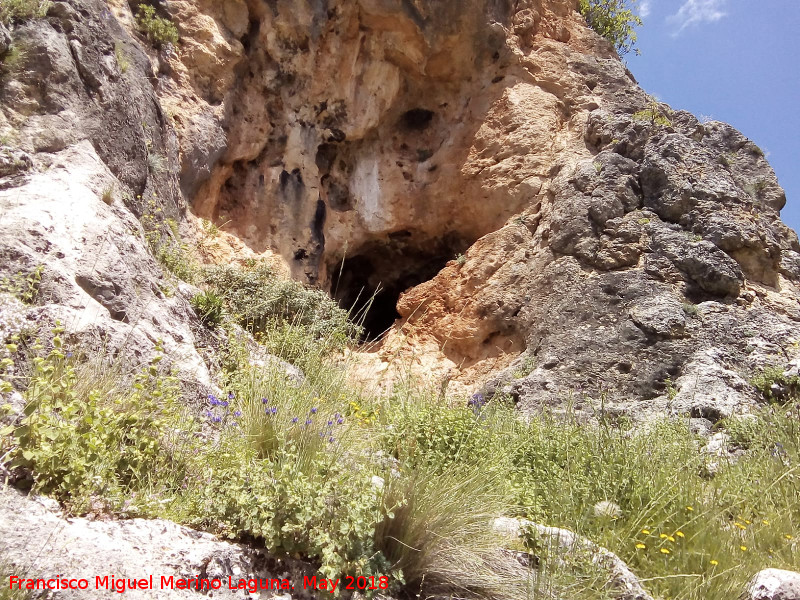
(653, 115)
(159, 31)
(615, 20)
(23, 286)
(775, 385)
(290, 318)
(15, 11)
(76, 447)
(122, 58)
(208, 307)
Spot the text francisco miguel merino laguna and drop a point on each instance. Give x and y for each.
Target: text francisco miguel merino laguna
(121, 585)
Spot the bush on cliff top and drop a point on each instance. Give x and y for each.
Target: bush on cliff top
(615, 20)
(12, 11)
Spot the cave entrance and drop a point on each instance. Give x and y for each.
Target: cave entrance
(369, 283)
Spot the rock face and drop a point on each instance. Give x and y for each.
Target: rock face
(774, 584)
(534, 222)
(33, 530)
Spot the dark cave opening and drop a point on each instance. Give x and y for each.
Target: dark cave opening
(370, 282)
(417, 119)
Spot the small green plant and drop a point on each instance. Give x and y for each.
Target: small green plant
(23, 286)
(615, 20)
(775, 385)
(75, 446)
(652, 115)
(14, 60)
(15, 11)
(123, 61)
(293, 320)
(163, 237)
(726, 159)
(208, 307)
(159, 31)
(690, 309)
(461, 260)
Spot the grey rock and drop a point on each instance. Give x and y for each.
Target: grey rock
(99, 279)
(622, 583)
(32, 528)
(661, 315)
(774, 584)
(790, 264)
(709, 390)
(5, 39)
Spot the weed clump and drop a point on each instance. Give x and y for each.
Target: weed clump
(615, 20)
(15, 11)
(159, 31)
(293, 320)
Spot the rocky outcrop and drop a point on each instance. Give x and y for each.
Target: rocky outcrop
(622, 584)
(533, 222)
(39, 543)
(609, 246)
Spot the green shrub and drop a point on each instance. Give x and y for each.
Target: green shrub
(291, 318)
(615, 20)
(14, 11)
(23, 286)
(77, 447)
(208, 307)
(652, 115)
(775, 386)
(159, 31)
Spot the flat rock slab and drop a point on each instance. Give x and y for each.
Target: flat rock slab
(39, 542)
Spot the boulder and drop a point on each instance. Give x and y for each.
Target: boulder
(774, 584)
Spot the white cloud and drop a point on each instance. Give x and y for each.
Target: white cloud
(694, 12)
(644, 8)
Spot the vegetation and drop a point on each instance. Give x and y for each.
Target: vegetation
(15, 11)
(292, 320)
(653, 115)
(775, 385)
(123, 61)
(615, 20)
(403, 487)
(407, 486)
(208, 307)
(159, 31)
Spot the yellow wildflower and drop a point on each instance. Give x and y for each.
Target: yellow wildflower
(679, 534)
(641, 546)
(689, 508)
(714, 563)
(743, 548)
(646, 531)
(788, 537)
(739, 525)
(663, 536)
(748, 522)
(765, 522)
(664, 551)
(670, 538)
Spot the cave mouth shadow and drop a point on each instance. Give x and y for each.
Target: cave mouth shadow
(369, 283)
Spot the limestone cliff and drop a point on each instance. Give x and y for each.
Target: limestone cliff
(534, 222)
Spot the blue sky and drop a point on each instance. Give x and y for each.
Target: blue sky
(733, 60)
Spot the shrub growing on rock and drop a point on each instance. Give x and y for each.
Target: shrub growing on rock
(615, 20)
(285, 314)
(159, 31)
(13, 11)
